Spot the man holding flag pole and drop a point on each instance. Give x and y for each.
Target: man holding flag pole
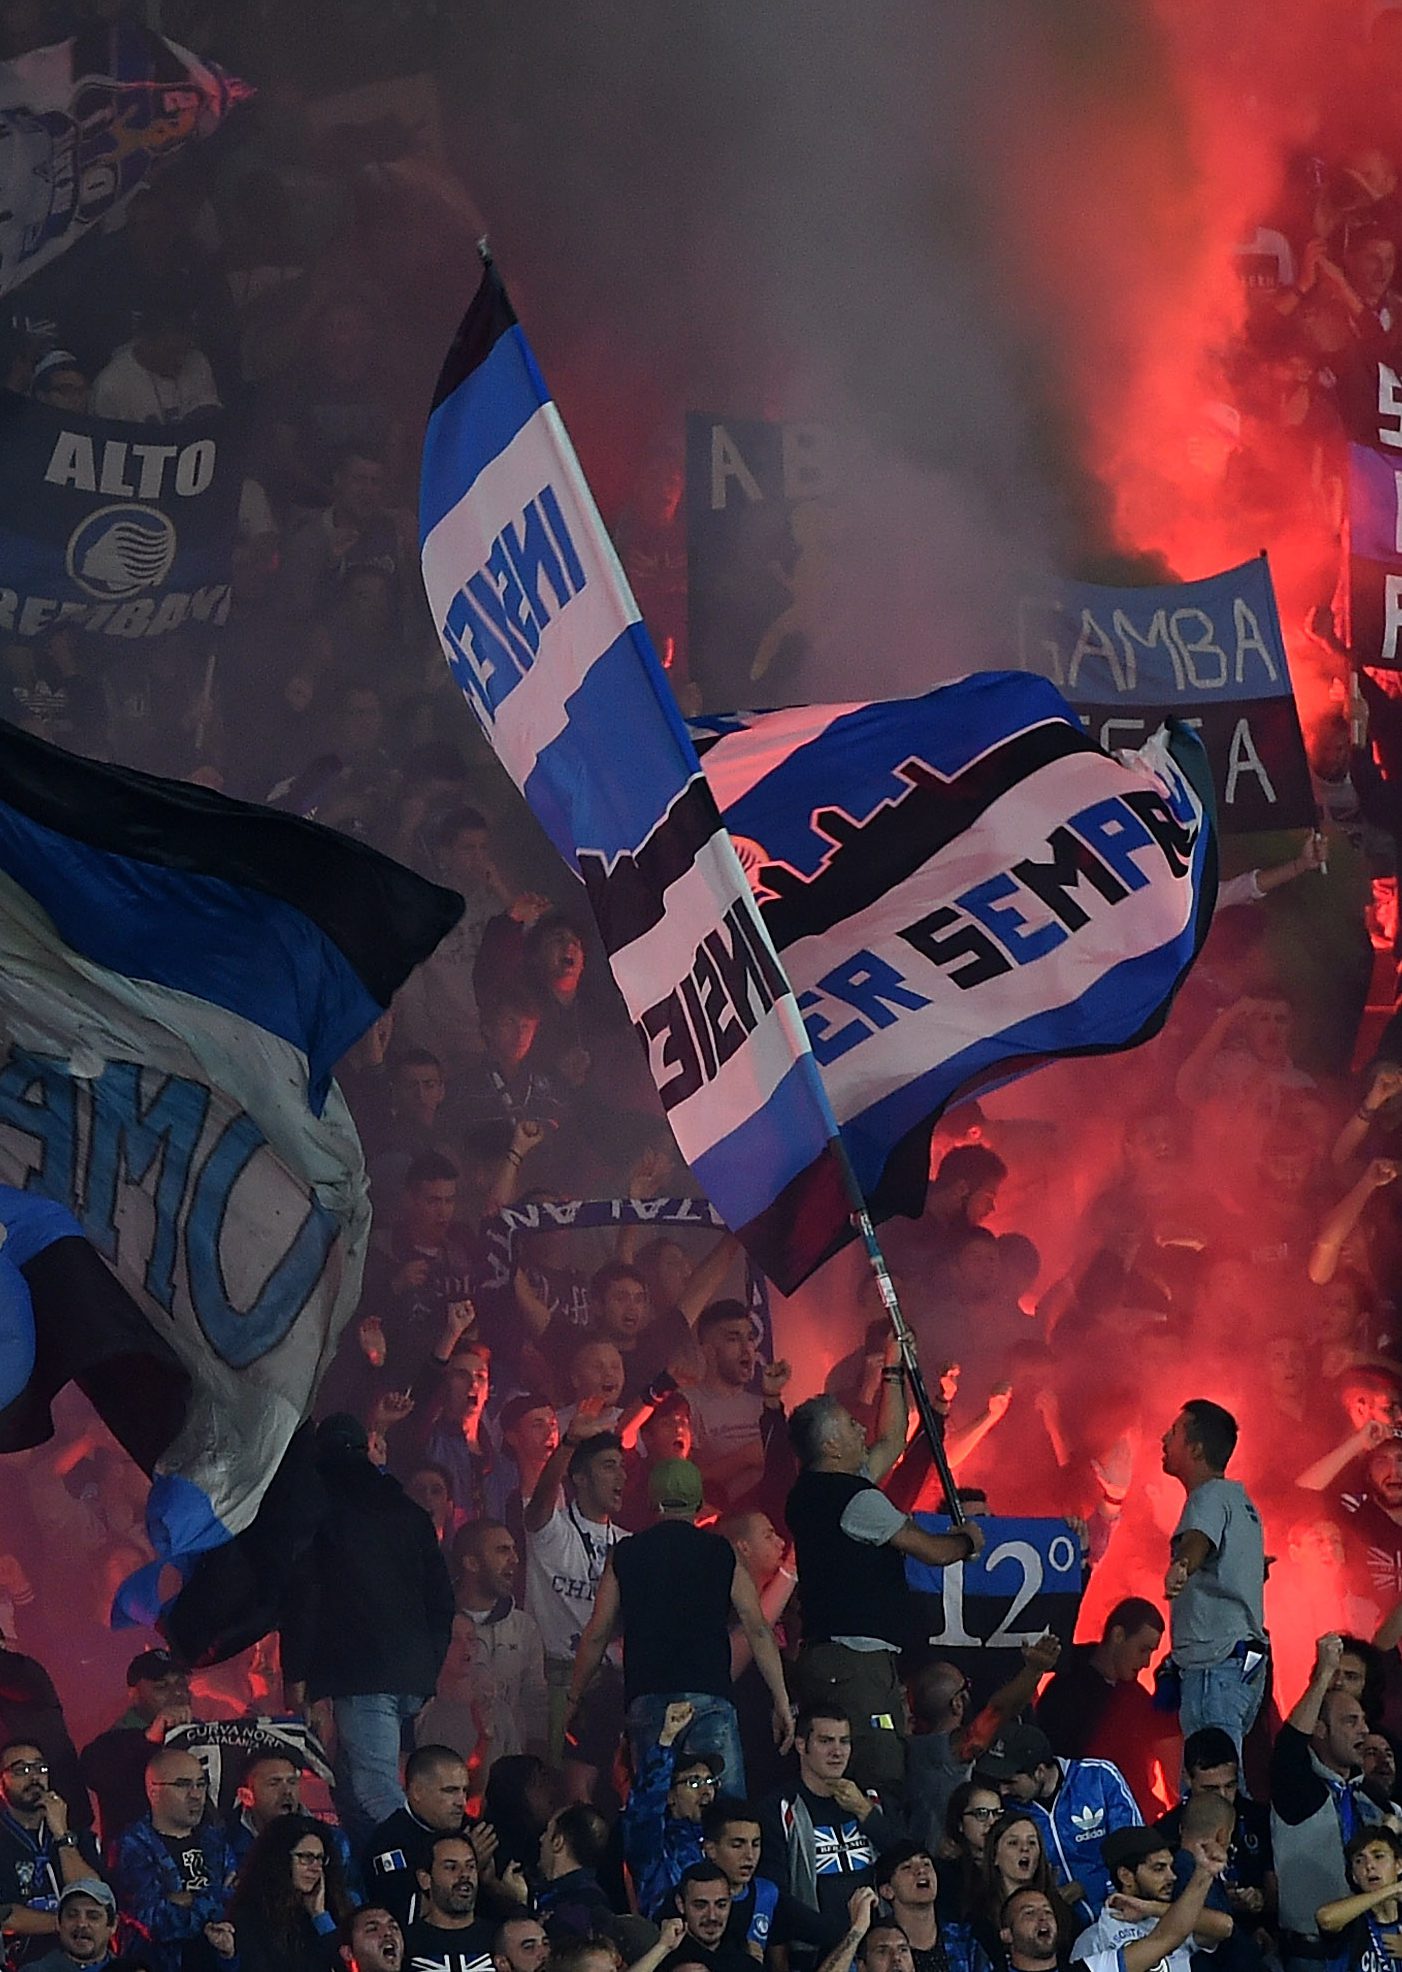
(1077, 948)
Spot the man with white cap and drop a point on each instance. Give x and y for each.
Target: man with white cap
(671, 1589)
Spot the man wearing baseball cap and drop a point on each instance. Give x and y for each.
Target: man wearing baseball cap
(114, 1764)
(1077, 1804)
(87, 1922)
(671, 1590)
(1143, 1909)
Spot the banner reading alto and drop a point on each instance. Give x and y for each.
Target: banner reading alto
(544, 637)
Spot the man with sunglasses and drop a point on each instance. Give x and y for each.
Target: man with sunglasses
(38, 1851)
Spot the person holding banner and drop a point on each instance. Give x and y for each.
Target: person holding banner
(850, 1543)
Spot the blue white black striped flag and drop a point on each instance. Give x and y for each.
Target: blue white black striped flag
(544, 638)
(181, 1186)
(962, 886)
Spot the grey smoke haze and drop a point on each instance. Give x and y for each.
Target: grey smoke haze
(790, 210)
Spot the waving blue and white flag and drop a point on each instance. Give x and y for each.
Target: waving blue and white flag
(181, 1185)
(542, 634)
(961, 886)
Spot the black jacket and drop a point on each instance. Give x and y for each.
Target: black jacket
(373, 1610)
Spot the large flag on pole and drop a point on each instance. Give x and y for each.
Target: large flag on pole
(544, 638)
(181, 1184)
(962, 886)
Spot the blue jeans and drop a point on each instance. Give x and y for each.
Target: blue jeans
(1218, 1695)
(715, 1729)
(367, 1758)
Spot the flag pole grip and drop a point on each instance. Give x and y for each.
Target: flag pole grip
(931, 1423)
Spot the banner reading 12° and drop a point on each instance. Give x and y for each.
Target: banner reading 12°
(1210, 653)
(118, 530)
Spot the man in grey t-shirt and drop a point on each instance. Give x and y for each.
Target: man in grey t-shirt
(1216, 1579)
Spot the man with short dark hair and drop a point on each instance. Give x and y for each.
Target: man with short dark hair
(509, 1642)
(907, 1881)
(519, 1944)
(822, 1834)
(1216, 1578)
(761, 1914)
(1212, 1769)
(1145, 1926)
(725, 1407)
(850, 1543)
(174, 1869)
(568, 1543)
(1096, 1708)
(372, 1941)
(571, 1901)
(703, 1903)
(448, 1935)
(421, 1271)
(435, 1803)
(38, 1852)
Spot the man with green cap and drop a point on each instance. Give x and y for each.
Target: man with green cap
(671, 1590)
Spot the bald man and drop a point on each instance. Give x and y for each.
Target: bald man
(174, 1867)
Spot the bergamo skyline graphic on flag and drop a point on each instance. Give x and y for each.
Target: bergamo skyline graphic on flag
(545, 640)
(961, 886)
(181, 1183)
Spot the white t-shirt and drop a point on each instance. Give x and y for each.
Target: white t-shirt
(127, 390)
(722, 1421)
(1102, 1946)
(564, 1564)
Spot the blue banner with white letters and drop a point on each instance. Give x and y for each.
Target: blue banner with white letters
(1027, 1580)
(1210, 653)
(123, 531)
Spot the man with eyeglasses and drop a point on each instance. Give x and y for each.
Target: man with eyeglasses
(38, 1851)
(662, 1820)
(174, 1868)
(114, 1764)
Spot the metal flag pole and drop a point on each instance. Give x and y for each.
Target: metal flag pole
(931, 1423)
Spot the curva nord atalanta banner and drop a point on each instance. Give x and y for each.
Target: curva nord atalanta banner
(119, 530)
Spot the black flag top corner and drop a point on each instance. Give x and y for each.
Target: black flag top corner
(179, 974)
(544, 638)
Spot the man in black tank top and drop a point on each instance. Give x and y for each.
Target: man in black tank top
(672, 1589)
(850, 1543)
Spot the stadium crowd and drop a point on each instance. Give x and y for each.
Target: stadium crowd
(604, 1652)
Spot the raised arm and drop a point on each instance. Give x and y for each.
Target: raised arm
(1327, 1654)
(1386, 1083)
(1340, 1222)
(978, 1735)
(1326, 1469)
(1180, 1921)
(708, 1277)
(893, 1419)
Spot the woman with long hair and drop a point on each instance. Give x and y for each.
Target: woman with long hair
(973, 1808)
(290, 1900)
(1013, 1859)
